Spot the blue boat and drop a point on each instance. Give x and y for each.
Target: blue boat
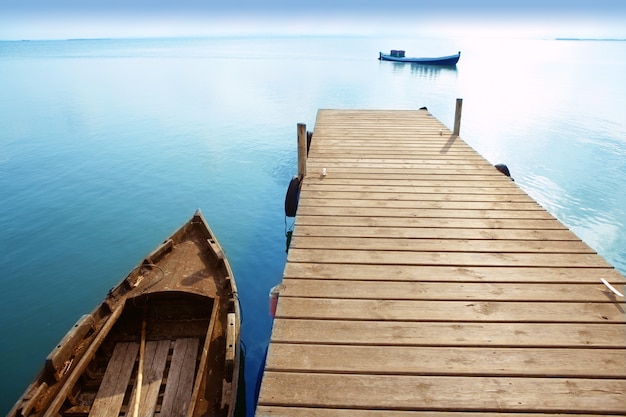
(398, 56)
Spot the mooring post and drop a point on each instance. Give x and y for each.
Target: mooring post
(302, 153)
(457, 117)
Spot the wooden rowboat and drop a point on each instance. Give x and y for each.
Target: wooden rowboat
(164, 342)
(398, 56)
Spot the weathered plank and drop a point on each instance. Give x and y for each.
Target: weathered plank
(511, 259)
(392, 152)
(406, 290)
(468, 182)
(441, 245)
(450, 361)
(443, 188)
(424, 222)
(330, 198)
(180, 378)
(154, 366)
(435, 163)
(292, 411)
(429, 213)
(479, 394)
(444, 273)
(424, 204)
(111, 393)
(449, 311)
(374, 164)
(473, 334)
(373, 171)
(436, 233)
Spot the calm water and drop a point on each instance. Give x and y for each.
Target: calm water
(107, 146)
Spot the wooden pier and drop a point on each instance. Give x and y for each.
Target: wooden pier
(421, 281)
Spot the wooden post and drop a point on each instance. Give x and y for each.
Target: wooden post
(302, 154)
(457, 117)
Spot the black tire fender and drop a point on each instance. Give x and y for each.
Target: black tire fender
(292, 197)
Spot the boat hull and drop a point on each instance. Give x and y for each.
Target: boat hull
(448, 60)
(172, 324)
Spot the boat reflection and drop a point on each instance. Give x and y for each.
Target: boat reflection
(423, 70)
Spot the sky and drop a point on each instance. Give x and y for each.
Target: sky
(63, 19)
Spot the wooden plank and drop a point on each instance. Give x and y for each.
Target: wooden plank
(389, 142)
(449, 173)
(408, 133)
(369, 135)
(111, 393)
(482, 334)
(436, 233)
(341, 201)
(440, 245)
(215, 247)
(443, 273)
(372, 141)
(452, 176)
(450, 311)
(411, 200)
(180, 378)
(154, 364)
(391, 155)
(420, 147)
(62, 354)
(205, 355)
(330, 181)
(449, 361)
(479, 394)
(403, 195)
(423, 213)
(460, 222)
(406, 195)
(424, 138)
(577, 260)
(444, 188)
(400, 164)
(230, 338)
(32, 399)
(292, 411)
(406, 290)
(435, 163)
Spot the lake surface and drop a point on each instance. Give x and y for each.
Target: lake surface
(107, 146)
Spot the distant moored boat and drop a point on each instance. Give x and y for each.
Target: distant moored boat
(398, 56)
